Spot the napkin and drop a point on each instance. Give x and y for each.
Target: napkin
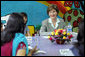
(66, 52)
(40, 51)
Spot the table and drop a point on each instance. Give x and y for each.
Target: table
(51, 49)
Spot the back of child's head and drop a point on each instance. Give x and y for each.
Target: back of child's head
(15, 24)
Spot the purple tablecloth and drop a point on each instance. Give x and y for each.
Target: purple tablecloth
(51, 49)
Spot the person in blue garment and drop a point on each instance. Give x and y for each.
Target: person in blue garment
(78, 49)
(26, 30)
(13, 41)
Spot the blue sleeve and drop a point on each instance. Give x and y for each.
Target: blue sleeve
(27, 29)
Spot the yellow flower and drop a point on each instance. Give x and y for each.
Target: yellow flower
(64, 33)
(56, 33)
(48, 36)
(61, 29)
(68, 33)
(52, 33)
(64, 37)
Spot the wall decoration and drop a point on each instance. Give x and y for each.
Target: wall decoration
(74, 16)
(70, 11)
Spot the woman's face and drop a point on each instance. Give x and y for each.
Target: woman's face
(53, 14)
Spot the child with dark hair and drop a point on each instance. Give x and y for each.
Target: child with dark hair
(26, 30)
(13, 41)
(78, 48)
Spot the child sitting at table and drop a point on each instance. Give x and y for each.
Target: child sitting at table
(13, 41)
(26, 30)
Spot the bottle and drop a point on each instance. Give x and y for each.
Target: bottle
(69, 28)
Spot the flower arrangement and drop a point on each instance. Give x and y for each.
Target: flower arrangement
(60, 34)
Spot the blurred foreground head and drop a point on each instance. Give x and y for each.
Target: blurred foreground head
(80, 38)
(15, 24)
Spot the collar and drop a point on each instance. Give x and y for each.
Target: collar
(50, 21)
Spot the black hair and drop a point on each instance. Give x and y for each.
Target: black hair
(24, 14)
(81, 31)
(14, 25)
(1, 24)
(1, 27)
(80, 38)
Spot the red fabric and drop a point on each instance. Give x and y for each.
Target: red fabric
(6, 49)
(21, 47)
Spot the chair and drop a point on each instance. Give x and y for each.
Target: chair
(31, 29)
